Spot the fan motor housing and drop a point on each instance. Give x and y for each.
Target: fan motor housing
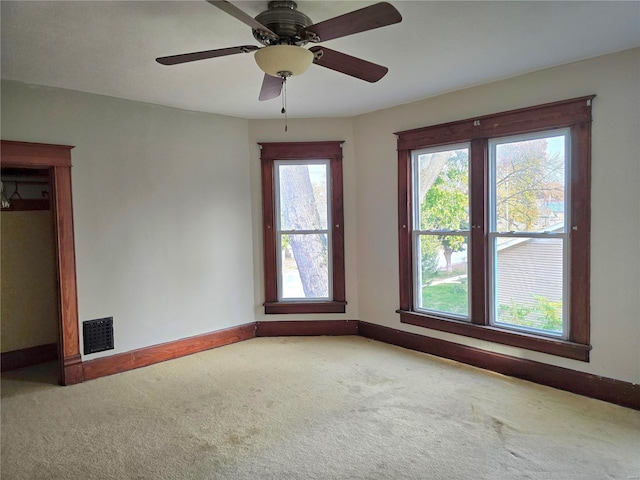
(284, 19)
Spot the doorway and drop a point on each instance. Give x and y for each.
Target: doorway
(56, 159)
(29, 299)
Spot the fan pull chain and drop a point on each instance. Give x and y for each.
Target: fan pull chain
(284, 103)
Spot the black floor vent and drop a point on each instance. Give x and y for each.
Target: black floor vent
(97, 335)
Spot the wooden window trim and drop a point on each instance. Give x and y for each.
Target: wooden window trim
(270, 152)
(574, 114)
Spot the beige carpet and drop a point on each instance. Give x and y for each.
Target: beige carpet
(310, 408)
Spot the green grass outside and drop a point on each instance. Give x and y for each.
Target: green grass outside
(446, 297)
(453, 298)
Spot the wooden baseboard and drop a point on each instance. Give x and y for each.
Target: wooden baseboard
(122, 362)
(71, 370)
(28, 356)
(291, 328)
(593, 386)
(167, 351)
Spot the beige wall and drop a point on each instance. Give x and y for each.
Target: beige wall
(168, 221)
(162, 210)
(29, 307)
(615, 264)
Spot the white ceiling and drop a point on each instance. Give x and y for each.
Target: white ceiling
(109, 48)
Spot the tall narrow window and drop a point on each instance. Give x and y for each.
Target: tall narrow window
(528, 234)
(494, 225)
(302, 230)
(441, 236)
(303, 225)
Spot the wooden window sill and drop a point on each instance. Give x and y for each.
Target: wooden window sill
(552, 346)
(304, 307)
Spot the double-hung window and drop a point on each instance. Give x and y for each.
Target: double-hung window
(528, 235)
(441, 229)
(494, 227)
(302, 227)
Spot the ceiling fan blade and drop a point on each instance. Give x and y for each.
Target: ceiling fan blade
(271, 87)
(343, 63)
(192, 57)
(235, 12)
(367, 18)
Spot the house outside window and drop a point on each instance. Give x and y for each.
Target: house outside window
(494, 227)
(529, 232)
(302, 227)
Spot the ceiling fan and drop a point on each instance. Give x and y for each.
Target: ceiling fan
(284, 30)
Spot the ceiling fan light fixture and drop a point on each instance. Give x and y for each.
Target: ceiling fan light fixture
(291, 59)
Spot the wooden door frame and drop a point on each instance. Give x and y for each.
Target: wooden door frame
(57, 159)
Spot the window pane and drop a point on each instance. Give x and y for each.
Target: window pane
(442, 274)
(528, 283)
(303, 197)
(443, 186)
(304, 266)
(529, 185)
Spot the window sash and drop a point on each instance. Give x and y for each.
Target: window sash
(415, 169)
(281, 280)
(494, 142)
(417, 233)
(494, 233)
(417, 274)
(492, 284)
(280, 231)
